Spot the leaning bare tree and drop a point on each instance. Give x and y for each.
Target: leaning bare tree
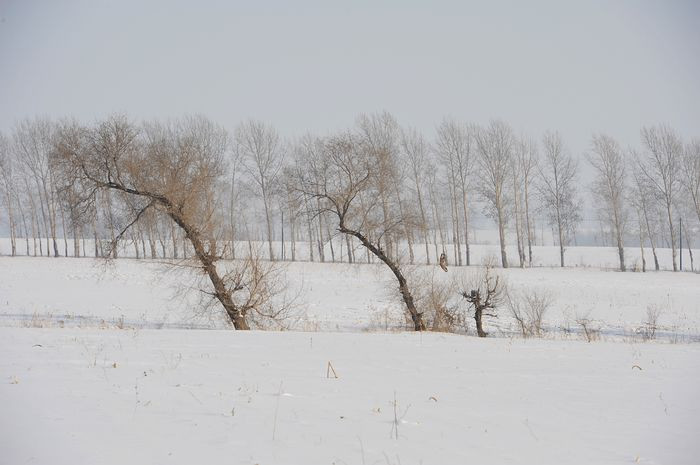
(175, 169)
(558, 171)
(344, 179)
(610, 186)
(495, 149)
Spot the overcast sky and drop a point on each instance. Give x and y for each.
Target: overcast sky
(579, 67)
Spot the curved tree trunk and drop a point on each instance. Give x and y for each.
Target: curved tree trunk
(206, 259)
(221, 292)
(406, 295)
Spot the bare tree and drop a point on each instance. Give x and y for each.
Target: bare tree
(439, 301)
(610, 186)
(378, 134)
(79, 213)
(261, 150)
(485, 291)
(234, 199)
(8, 190)
(398, 176)
(661, 166)
(526, 165)
(415, 150)
(32, 144)
(434, 194)
(690, 178)
(455, 149)
(176, 169)
(528, 309)
(293, 205)
(686, 211)
(495, 148)
(641, 197)
(345, 180)
(557, 189)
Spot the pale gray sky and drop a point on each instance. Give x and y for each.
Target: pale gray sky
(577, 67)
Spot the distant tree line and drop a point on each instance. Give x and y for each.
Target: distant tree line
(378, 190)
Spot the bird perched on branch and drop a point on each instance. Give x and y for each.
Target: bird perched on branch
(443, 262)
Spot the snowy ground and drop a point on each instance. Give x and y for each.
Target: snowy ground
(575, 257)
(57, 292)
(147, 396)
(106, 362)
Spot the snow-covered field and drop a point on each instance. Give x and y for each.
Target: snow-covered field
(543, 256)
(109, 362)
(147, 396)
(59, 292)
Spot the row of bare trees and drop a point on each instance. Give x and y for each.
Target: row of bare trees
(190, 188)
(426, 193)
(651, 189)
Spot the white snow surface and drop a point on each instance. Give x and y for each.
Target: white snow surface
(147, 396)
(85, 292)
(109, 363)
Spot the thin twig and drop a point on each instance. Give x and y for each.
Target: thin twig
(329, 370)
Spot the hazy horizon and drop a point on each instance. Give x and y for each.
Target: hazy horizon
(583, 68)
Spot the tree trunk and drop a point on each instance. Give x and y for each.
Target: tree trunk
(173, 236)
(269, 224)
(348, 243)
(406, 295)
(688, 245)
(455, 225)
(151, 240)
(673, 236)
(321, 251)
(311, 240)
(115, 245)
(94, 230)
(23, 225)
(518, 223)
(424, 224)
(641, 247)
(407, 231)
(208, 262)
(65, 235)
(293, 234)
(76, 235)
(621, 253)
(330, 242)
(502, 238)
(528, 225)
(560, 230)
(478, 311)
(465, 206)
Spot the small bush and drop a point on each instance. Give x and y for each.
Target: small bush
(528, 309)
(439, 303)
(590, 329)
(648, 329)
